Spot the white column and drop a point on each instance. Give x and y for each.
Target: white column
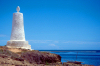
(17, 27)
(17, 39)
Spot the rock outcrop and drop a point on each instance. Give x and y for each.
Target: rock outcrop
(40, 57)
(26, 57)
(23, 57)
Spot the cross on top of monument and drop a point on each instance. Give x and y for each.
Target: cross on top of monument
(18, 8)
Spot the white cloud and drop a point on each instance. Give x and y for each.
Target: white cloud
(80, 42)
(43, 41)
(40, 41)
(1, 35)
(62, 42)
(66, 42)
(3, 40)
(56, 41)
(52, 45)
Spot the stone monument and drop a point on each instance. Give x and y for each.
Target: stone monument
(17, 39)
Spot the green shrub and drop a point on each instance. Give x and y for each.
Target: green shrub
(47, 63)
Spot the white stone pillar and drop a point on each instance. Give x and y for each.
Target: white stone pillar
(17, 39)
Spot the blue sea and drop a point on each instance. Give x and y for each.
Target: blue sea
(90, 57)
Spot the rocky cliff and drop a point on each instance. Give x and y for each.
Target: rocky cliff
(23, 57)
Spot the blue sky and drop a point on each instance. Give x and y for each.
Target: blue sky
(54, 24)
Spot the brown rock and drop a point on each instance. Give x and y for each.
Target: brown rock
(40, 57)
(23, 57)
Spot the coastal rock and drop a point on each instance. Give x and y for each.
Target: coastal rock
(74, 64)
(23, 57)
(41, 57)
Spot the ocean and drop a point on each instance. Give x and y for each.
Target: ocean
(90, 57)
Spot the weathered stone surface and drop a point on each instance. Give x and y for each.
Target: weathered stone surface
(41, 57)
(17, 39)
(18, 44)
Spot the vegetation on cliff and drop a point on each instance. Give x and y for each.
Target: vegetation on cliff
(30, 56)
(24, 57)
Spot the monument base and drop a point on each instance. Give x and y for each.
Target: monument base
(18, 44)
